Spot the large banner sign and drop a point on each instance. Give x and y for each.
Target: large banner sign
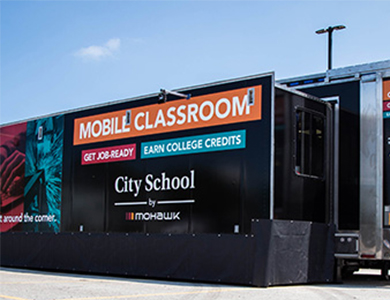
(221, 108)
(31, 175)
(143, 166)
(186, 165)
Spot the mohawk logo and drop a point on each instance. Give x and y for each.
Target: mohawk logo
(129, 216)
(153, 216)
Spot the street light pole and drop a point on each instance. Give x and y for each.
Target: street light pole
(330, 33)
(330, 30)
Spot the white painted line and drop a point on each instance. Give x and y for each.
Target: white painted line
(175, 201)
(130, 203)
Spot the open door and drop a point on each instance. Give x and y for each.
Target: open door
(303, 155)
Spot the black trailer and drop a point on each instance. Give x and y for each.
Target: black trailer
(232, 184)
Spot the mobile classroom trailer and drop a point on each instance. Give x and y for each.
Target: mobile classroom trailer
(241, 182)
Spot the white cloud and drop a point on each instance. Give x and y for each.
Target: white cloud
(99, 52)
(113, 44)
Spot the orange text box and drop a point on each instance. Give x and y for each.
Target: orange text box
(386, 90)
(221, 108)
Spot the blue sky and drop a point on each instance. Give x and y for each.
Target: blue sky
(61, 55)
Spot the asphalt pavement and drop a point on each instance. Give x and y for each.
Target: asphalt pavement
(19, 284)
